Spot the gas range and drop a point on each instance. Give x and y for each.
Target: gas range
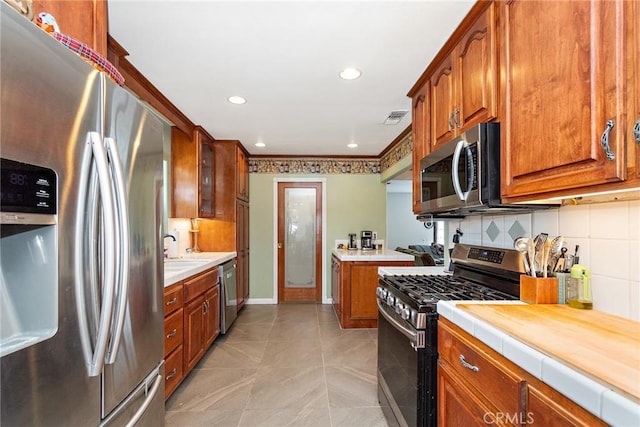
(408, 325)
(479, 273)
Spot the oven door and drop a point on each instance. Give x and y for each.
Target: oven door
(407, 361)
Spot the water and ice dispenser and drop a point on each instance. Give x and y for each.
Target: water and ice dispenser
(28, 255)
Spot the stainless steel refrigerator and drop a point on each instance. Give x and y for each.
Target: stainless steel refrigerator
(81, 314)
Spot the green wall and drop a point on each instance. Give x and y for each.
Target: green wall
(354, 203)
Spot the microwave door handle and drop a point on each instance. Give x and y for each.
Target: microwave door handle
(471, 171)
(454, 171)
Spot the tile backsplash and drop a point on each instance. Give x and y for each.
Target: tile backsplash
(608, 235)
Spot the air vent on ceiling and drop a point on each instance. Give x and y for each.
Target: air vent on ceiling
(395, 117)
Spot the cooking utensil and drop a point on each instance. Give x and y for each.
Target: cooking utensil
(539, 242)
(554, 253)
(560, 264)
(521, 245)
(531, 252)
(546, 249)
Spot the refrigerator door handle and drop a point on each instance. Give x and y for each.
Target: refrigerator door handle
(108, 217)
(79, 265)
(147, 401)
(123, 249)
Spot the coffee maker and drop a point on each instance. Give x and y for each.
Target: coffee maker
(353, 243)
(366, 240)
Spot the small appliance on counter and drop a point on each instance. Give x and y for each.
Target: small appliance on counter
(366, 240)
(353, 242)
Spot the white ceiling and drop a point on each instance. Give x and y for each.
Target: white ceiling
(284, 58)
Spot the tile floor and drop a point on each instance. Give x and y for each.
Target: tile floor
(283, 365)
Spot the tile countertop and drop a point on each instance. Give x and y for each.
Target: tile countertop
(209, 260)
(373, 255)
(589, 392)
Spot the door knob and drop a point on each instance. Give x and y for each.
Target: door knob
(279, 245)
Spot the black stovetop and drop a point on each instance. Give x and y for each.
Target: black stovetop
(425, 290)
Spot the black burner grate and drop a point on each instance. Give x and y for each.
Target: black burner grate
(431, 289)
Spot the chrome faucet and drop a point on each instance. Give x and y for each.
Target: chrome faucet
(169, 235)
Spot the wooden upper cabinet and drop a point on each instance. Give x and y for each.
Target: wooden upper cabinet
(192, 172)
(563, 87)
(421, 138)
(205, 173)
(84, 20)
(632, 24)
(475, 67)
(242, 184)
(463, 84)
(443, 103)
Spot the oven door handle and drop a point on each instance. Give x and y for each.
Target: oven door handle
(416, 337)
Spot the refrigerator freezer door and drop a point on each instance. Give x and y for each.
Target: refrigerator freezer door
(137, 133)
(49, 100)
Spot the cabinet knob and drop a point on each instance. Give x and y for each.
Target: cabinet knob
(455, 117)
(604, 141)
(172, 301)
(468, 365)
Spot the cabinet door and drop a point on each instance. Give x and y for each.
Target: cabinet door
(443, 127)
(476, 72)
(335, 285)
(84, 20)
(549, 408)
(211, 315)
(421, 140)
(632, 25)
(184, 175)
(458, 405)
(205, 180)
(193, 333)
(243, 175)
(562, 84)
(173, 330)
(172, 372)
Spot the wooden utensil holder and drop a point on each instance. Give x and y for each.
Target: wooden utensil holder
(538, 290)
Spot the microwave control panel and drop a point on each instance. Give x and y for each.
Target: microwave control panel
(27, 188)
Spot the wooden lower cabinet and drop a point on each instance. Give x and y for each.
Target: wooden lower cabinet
(173, 337)
(191, 324)
(201, 316)
(354, 286)
(478, 386)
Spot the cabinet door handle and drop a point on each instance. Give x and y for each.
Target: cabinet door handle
(172, 334)
(636, 131)
(604, 141)
(451, 127)
(468, 365)
(172, 301)
(455, 117)
(172, 374)
(206, 307)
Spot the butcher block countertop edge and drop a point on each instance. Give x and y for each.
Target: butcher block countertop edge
(593, 393)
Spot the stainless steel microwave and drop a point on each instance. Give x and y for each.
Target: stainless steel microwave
(462, 177)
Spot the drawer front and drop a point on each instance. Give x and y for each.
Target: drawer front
(172, 372)
(173, 331)
(478, 368)
(173, 298)
(197, 285)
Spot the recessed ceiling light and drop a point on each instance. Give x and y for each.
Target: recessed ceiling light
(260, 144)
(236, 100)
(350, 73)
(352, 145)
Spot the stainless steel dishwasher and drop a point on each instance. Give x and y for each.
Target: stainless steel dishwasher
(228, 296)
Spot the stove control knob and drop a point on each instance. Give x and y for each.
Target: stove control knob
(399, 307)
(382, 293)
(391, 300)
(406, 314)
